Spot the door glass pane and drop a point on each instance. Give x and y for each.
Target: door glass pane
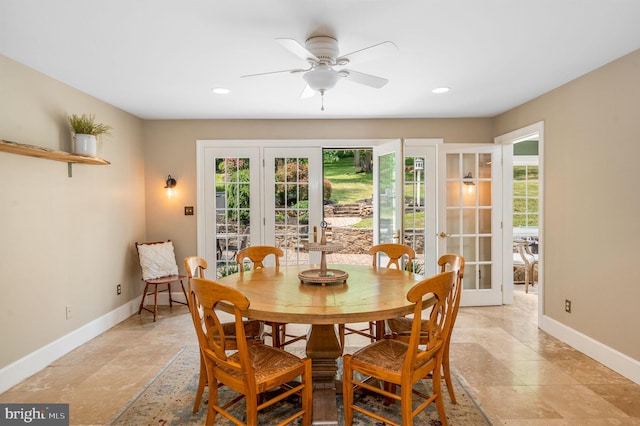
(484, 221)
(292, 208)
(484, 277)
(469, 248)
(484, 249)
(484, 193)
(469, 165)
(453, 221)
(469, 221)
(232, 209)
(386, 197)
(470, 277)
(484, 166)
(453, 166)
(414, 214)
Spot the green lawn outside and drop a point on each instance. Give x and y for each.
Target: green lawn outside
(347, 185)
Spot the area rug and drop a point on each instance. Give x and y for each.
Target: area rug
(168, 400)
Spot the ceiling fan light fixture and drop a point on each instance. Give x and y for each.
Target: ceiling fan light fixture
(323, 78)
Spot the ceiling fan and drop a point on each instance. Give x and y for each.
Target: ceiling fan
(322, 55)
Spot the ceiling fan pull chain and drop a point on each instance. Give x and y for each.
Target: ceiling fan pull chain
(322, 100)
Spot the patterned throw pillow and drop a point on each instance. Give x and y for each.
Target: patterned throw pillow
(157, 260)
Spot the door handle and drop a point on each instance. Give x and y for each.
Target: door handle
(444, 235)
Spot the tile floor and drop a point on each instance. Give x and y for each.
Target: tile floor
(518, 374)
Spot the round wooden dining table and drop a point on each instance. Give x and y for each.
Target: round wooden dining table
(369, 294)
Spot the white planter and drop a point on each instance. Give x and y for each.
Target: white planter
(85, 145)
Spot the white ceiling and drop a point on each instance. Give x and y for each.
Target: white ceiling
(159, 59)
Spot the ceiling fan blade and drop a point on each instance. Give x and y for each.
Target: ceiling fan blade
(291, 71)
(297, 49)
(366, 79)
(367, 53)
(307, 92)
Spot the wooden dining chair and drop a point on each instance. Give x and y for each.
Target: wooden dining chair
(252, 369)
(401, 257)
(256, 255)
(400, 363)
(400, 328)
(159, 267)
(195, 267)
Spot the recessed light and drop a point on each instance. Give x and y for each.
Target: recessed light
(220, 91)
(441, 90)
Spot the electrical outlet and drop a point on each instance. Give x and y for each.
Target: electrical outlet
(188, 211)
(69, 314)
(567, 306)
(119, 289)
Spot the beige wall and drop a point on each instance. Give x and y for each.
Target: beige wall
(63, 241)
(592, 202)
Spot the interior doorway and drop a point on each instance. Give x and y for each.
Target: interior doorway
(523, 204)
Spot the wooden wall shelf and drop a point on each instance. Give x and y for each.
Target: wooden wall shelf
(50, 154)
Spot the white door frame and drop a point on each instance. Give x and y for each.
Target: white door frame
(507, 140)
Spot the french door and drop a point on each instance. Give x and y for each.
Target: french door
(250, 195)
(293, 201)
(470, 216)
(229, 207)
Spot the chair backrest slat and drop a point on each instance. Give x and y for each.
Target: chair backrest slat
(395, 252)
(257, 254)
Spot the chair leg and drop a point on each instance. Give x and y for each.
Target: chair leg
(275, 335)
(447, 375)
(202, 382)
(155, 303)
(347, 390)
(185, 293)
(144, 295)
(252, 409)
(437, 390)
(170, 298)
(213, 399)
(282, 328)
(307, 394)
(406, 395)
(373, 330)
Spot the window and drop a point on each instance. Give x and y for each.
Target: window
(525, 191)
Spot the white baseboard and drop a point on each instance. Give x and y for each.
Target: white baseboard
(19, 370)
(617, 361)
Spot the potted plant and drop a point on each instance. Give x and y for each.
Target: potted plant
(85, 133)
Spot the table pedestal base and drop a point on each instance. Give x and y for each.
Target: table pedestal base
(323, 347)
